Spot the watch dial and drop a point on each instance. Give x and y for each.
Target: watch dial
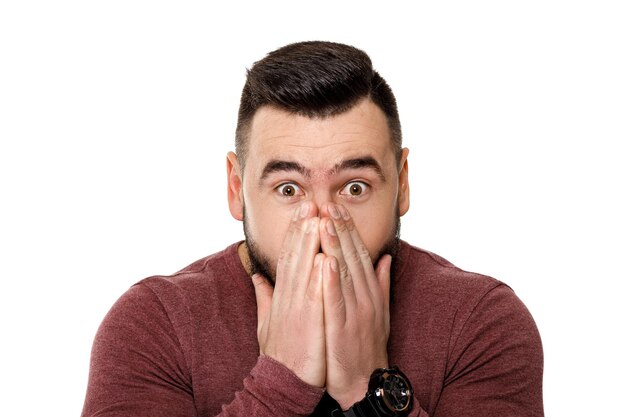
(396, 392)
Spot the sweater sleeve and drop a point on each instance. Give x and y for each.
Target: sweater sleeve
(272, 389)
(138, 368)
(496, 362)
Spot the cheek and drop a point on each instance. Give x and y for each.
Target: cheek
(267, 226)
(374, 226)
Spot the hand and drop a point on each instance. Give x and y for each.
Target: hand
(291, 315)
(356, 308)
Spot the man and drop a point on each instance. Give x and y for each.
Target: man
(308, 315)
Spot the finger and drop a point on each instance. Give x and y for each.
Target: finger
(354, 256)
(283, 257)
(290, 250)
(359, 247)
(263, 292)
(334, 301)
(314, 290)
(305, 244)
(331, 246)
(383, 276)
(309, 251)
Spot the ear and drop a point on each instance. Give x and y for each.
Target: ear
(404, 200)
(235, 186)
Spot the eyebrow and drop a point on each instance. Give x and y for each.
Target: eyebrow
(367, 162)
(284, 166)
(360, 163)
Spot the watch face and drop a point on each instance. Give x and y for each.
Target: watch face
(396, 392)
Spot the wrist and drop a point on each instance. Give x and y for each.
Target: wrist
(357, 389)
(349, 398)
(389, 394)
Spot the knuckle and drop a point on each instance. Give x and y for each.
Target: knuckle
(301, 225)
(369, 318)
(367, 313)
(341, 304)
(311, 298)
(333, 242)
(295, 225)
(286, 257)
(340, 226)
(344, 271)
(353, 256)
(363, 252)
(348, 283)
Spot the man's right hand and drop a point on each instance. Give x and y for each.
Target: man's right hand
(291, 315)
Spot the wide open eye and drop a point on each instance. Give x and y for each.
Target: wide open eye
(355, 189)
(289, 189)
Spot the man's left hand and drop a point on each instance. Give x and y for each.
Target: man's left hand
(356, 308)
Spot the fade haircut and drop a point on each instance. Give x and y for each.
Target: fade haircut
(317, 80)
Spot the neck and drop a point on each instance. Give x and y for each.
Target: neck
(244, 257)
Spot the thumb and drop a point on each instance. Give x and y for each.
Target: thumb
(263, 291)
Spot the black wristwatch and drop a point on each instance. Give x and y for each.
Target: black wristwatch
(389, 394)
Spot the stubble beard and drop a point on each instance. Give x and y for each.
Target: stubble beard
(260, 263)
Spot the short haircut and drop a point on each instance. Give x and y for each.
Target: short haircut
(317, 80)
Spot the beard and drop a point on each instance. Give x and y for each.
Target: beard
(260, 263)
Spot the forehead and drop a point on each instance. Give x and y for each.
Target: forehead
(320, 142)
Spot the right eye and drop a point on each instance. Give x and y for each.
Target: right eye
(289, 190)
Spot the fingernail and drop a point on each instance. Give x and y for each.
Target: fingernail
(332, 209)
(334, 265)
(304, 210)
(344, 213)
(331, 228)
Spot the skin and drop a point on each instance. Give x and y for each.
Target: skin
(318, 221)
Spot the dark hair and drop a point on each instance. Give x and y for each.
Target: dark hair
(314, 79)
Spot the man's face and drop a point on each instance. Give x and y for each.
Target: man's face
(346, 159)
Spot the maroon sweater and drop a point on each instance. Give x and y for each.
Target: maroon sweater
(186, 345)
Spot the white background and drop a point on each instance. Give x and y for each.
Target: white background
(116, 116)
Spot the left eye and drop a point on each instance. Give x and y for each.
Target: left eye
(288, 190)
(354, 188)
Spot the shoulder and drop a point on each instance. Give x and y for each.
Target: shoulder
(171, 298)
(483, 316)
(201, 272)
(469, 304)
(434, 278)
(163, 306)
(206, 278)
(476, 328)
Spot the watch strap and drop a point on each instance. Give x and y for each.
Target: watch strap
(363, 408)
(350, 412)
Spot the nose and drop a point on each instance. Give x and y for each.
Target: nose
(323, 210)
(321, 202)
